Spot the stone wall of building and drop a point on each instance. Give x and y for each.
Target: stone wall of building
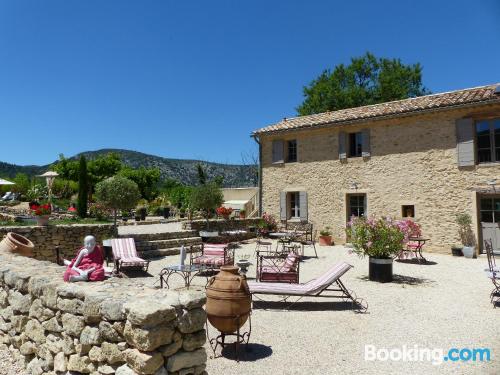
(118, 326)
(68, 238)
(413, 162)
(227, 229)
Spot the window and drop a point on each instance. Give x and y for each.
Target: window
(291, 151)
(355, 144)
(488, 141)
(408, 210)
(356, 205)
(490, 210)
(294, 205)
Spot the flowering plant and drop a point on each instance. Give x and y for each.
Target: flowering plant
(378, 238)
(409, 229)
(269, 221)
(224, 211)
(41, 210)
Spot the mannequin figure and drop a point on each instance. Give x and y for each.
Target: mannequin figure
(88, 264)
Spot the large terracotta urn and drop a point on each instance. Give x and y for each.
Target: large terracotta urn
(228, 300)
(17, 244)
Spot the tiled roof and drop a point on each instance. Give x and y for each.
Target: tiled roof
(396, 108)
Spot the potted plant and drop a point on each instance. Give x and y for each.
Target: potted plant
(464, 222)
(142, 209)
(379, 239)
(325, 237)
(456, 251)
(242, 214)
(225, 212)
(42, 213)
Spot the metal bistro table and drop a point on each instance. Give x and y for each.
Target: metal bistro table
(187, 271)
(419, 243)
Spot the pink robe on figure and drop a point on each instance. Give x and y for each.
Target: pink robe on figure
(94, 259)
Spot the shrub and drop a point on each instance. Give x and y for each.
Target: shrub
(464, 222)
(206, 198)
(327, 231)
(98, 211)
(378, 238)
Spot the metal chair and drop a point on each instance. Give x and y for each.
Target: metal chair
(310, 241)
(494, 272)
(261, 245)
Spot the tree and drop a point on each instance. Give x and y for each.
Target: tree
(22, 183)
(206, 198)
(83, 188)
(117, 193)
(367, 80)
(202, 175)
(147, 179)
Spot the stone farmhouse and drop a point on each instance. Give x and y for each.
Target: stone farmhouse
(429, 158)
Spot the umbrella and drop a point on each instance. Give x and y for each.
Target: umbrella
(5, 182)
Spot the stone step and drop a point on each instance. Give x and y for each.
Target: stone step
(166, 244)
(161, 236)
(159, 253)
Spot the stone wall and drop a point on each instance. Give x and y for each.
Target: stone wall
(68, 238)
(221, 225)
(413, 162)
(118, 326)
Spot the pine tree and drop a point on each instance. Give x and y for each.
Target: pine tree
(83, 187)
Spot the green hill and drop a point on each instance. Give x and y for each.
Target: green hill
(180, 169)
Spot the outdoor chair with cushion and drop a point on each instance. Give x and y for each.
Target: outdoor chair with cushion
(262, 245)
(493, 272)
(309, 240)
(278, 268)
(125, 255)
(318, 287)
(212, 255)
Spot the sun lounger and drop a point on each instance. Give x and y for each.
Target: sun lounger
(125, 255)
(314, 288)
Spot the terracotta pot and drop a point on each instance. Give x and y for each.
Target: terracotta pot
(42, 220)
(242, 215)
(325, 240)
(228, 300)
(17, 244)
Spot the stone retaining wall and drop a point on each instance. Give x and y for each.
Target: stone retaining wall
(67, 237)
(221, 225)
(118, 326)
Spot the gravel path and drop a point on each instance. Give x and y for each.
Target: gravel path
(443, 304)
(8, 366)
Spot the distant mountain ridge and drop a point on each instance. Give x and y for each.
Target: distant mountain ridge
(183, 170)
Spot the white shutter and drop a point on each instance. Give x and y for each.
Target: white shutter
(283, 210)
(465, 142)
(278, 151)
(303, 206)
(365, 150)
(342, 146)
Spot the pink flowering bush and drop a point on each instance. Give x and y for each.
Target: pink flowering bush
(267, 224)
(410, 229)
(378, 238)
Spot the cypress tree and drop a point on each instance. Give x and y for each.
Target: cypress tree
(83, 188)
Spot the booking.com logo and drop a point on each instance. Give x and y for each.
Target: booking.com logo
(436, 356)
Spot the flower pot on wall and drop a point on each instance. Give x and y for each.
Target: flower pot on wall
(42, 220)
(380, 270)
(325, 240)
(468, 251)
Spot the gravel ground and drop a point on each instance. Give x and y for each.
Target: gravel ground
(443, 304)
(8, 366)
(151, 228)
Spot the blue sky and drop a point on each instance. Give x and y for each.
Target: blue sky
(192, 79)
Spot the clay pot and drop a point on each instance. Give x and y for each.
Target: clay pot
(228, 300)
(17, 244)
(42, 220)
(325, 240)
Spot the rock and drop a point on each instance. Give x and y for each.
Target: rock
(143, 362)
(108, 333)
(60, 363)
(49, 295)
(91, 306)
(148, 338)
(119, 327)
(72, 306)
(44, 353)
(161, 371)
(37, 283)
(122, 346)
(38, 311)
(90, 336)
(192, 320)
(193, 341)
(35, 367)
(95, 354)
(106, 370)
(7, 313)
(19, 302)
(67, 345)
(54, 343)
(183, 359)
(125, 370)
(35, 331)
(149, 312)
(73, 325)
(80, 364)
(192, 299)
(172, 348)
(52, 325)
(70, 291)
(27, 348)
(4, 300)
(111, 353)
(17, 280)
(19, 322)
(112, 309)
(82, 349)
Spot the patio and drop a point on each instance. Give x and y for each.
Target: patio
(443, 304)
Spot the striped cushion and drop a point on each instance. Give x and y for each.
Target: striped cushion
(124, 249)
(286, 277)
(212, 260)
(291, 262)
(214, 249)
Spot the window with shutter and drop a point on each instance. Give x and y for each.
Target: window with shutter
(278, 151)
(342, 146)
(365, 147)
(465, 142)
